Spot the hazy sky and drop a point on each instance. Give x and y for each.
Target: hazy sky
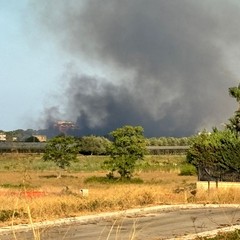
(162, 64)
(29, 69)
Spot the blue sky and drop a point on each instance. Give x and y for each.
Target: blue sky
(30, 68)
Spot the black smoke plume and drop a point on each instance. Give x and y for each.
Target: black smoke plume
(165, 63)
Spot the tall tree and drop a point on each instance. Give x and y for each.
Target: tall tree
(235, 93)
(234, 122)
(129, 145)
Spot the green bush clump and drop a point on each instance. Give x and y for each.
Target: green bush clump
(217, 153)
(188, 170)
(6, 215)
(17, 186)
(114, 180)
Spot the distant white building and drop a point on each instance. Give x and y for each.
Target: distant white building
(41, 138)
(14, 139)
(64, 126)
(3, 137)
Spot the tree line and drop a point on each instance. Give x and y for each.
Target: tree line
(169, 141)
(128, 145)
(98, 145)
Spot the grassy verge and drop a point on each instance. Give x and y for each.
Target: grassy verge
(28, 186)
(224, 236)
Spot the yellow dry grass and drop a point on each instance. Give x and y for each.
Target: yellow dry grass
(62, 196)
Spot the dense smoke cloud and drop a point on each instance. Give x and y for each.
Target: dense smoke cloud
(166, 62)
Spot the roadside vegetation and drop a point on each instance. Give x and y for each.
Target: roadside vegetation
(224, 236)
(28, 182)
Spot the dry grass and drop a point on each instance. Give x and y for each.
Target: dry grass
(62, 197)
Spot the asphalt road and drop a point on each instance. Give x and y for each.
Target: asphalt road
(147, 225)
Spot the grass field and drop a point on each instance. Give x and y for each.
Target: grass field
(29, 188)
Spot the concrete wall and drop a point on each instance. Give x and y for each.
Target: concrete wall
(204, 185)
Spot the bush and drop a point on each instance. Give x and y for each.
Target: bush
(6, 215)
(93, 145)
(114, 180)
(223, 236)
(32, 139)
(217, 154)
(188, 170)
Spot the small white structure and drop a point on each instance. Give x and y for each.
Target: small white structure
(84, 192)
(3, 137)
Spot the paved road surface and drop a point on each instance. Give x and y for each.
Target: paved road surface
(159, 224)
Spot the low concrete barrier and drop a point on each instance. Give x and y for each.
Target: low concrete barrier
(206, 185)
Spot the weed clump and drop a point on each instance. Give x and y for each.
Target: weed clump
(223, 236)
(145, 198)
(188, 170)
(114, 180)
(6, 215)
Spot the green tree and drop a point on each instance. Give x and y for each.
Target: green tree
(235, 93)
(234, 122)
(93, 145)
(61, 150)
(216, 153)
(128, 146)
(32, 139)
